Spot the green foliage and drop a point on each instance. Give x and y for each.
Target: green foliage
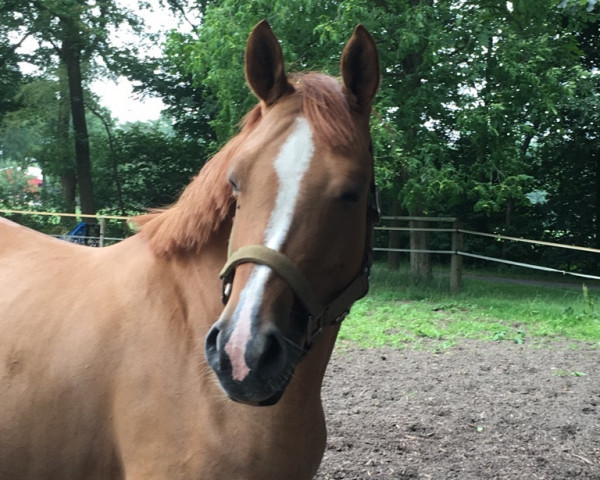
(569, 173)
(153, 166)
(213, 56)
(10, 78)
(30, 133)
(49, 22)
(469, 91)
(74, 35)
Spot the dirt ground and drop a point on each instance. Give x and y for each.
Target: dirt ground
(480, 410)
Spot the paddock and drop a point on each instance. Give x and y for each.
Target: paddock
(479, 410)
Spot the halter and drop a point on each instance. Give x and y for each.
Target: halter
(319, 316)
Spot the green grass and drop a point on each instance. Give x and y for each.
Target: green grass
(397, 313)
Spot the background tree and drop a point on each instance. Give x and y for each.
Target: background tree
(71, 33)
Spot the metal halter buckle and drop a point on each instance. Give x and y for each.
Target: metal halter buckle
(340, 318)
(226, 289)
(312, 332)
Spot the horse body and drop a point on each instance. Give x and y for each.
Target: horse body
(118, 362)
(129, 396)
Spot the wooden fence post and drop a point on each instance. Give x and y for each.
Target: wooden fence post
(102, 232)
(456, 262)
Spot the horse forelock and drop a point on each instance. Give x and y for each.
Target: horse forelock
(207, 201)
(327, 109)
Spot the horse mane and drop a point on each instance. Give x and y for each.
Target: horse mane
(207, 202)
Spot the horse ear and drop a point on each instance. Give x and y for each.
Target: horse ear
(264, 65)
(360, 68)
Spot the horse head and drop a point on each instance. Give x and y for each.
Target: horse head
(299, 250)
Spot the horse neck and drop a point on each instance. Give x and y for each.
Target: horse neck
(198, 273)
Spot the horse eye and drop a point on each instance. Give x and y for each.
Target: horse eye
(350, 197)
(234, 186)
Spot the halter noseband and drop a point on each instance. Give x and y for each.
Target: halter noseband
(319, 316)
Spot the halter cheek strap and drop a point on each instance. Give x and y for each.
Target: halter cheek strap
(319, 316)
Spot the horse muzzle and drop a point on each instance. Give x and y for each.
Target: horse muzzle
(256, 372)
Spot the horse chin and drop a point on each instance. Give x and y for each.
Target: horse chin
(248, 396)
(257, 389)
(274, 399)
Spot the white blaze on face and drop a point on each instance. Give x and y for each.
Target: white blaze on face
(291, 165)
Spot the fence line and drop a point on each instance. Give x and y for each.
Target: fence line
(83, 238)
(96, 240)
(382, 228)
(417, 229)
(526, 240)
(528, 265)
(421, 219)
(408, 250)
(496, 236)
(57, 214)
(456, 251)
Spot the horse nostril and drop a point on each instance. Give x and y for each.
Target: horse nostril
(212, 342)
(273, 351)
(266, 354)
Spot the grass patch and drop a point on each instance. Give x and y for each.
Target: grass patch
(397, 313)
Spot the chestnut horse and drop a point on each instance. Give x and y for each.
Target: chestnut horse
(122, 362)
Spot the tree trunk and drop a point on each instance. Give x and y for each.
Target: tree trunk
(71, 53)
(597, 195)
(68, 184)
(66, 167)
(113, 160)
(509, 214)
(420, 263)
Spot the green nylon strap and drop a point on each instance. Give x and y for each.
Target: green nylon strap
(331, 314)
(282, 265)
(340, 306)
